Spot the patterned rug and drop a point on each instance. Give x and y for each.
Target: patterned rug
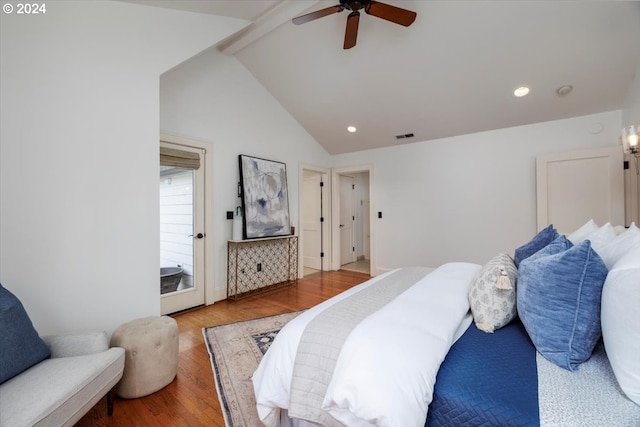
(235, 351)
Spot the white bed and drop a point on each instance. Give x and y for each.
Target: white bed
(371, 356)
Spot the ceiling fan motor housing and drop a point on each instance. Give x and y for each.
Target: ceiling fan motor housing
(354, 4)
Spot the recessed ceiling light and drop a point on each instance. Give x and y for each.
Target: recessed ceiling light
(351, 129)
(521, 91)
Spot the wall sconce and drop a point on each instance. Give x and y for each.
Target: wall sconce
(630, 138)
(630, 141)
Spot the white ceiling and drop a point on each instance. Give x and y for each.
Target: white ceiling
(243, 9)
(451, 73)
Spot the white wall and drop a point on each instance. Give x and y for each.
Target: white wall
(214, 98)
(631, 109)
(469, 197)
(631, 115)
(79, 118)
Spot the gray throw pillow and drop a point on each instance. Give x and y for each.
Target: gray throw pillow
(492, 296)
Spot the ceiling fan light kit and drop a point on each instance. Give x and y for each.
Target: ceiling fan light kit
(384, 11)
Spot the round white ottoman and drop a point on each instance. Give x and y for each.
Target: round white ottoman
(151, 355)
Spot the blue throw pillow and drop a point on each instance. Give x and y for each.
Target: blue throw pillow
(539, 241)
(558, 301)
(20, 345)
(557, 245)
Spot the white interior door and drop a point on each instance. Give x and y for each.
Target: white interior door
(576, 186)
(347, 219)
(366, 228)
(182, 235)
(311, 225)
(362, 212)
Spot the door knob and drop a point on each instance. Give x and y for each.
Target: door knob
(197, 236)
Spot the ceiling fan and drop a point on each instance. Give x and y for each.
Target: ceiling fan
(371, 7)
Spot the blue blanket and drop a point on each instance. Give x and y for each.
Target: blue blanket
(487, 380)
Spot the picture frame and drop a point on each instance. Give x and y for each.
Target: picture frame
(265, 197)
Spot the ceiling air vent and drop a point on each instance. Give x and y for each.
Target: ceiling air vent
(403, 136)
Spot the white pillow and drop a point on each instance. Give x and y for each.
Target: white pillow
(619, 229)
(618, 247)
(620, 319)
(581, 233)
(601, 237)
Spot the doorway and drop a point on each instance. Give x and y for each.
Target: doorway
(182, 190)
(352, 208)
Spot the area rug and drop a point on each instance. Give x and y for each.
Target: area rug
(235, 351)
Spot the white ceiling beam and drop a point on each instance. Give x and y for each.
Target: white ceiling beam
(267, 22)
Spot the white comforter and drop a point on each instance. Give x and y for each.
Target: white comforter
(387, 368)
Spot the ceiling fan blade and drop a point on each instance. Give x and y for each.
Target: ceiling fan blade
(317, 14)
(390, 13)
(351, 34)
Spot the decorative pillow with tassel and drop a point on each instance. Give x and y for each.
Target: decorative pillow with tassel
(492, 295)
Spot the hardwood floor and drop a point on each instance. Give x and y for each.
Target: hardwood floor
(191, 399)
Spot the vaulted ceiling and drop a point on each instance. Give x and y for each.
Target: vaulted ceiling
(452, 72)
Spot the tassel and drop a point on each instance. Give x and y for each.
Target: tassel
(503, 279)
(486, 327)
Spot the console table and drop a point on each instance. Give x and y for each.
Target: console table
(258, 265)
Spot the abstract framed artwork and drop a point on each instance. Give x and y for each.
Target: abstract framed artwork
(265, 198)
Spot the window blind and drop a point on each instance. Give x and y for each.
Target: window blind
(179, 158)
